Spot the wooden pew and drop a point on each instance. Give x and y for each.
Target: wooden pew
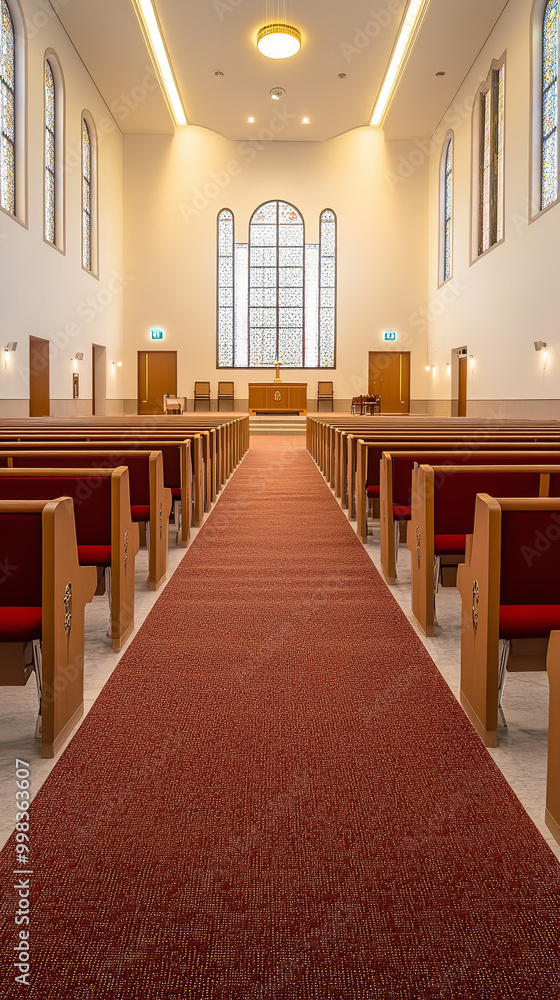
(183, 462)
(486, 439)
(106, 536)
(443, 503)
(150, 500)
(510, 596)
(396, 483)
(43, 592)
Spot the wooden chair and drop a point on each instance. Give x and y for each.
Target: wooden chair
(226, 390)
(173, 404)
(201, 391)
(325, 391)
(42, 600)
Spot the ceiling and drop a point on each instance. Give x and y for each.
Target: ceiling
(355, 37)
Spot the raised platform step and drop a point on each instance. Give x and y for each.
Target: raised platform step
(277, 424)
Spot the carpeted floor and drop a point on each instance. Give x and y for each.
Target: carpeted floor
(276, 797)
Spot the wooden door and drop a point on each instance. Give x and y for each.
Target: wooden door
(39, 378)
(157, 375)
(389, 377)
(98, 380)
(462, 386)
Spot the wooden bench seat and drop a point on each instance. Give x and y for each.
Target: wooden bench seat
(150, 501)
(442, 516)
(105, 534)
(43, 593)
(396, 484)
(510, 598)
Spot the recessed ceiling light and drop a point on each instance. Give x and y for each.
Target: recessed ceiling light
(440, 72)
(218, 72)
(278, 41)
(342, 76)
(251, 121)
(276, 93)
(305, 121)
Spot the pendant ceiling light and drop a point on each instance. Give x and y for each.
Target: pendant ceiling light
(278, 41)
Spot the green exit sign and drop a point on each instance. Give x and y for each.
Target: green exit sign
(157, 334)
(389, 335)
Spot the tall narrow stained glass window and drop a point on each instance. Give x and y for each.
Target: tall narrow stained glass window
(225, 289)
(86, 197)
(327, 294)
(50, 124)
(491, 220)
(276, 294)
(448, 212)
(549, 175)
(7, 110)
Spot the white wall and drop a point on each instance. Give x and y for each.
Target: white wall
(501, 303)
(176, 185)
(44, 292)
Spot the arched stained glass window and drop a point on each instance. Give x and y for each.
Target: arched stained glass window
(86, 197)
(276, 285)
(549, 178)
(50, 158)
(276, 294)
(7, 110)
(327, 288)
(447, 213)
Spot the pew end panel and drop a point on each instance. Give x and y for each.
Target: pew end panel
(161, 502)
(388, 554)
(478, 582)
(125, 543)
(420, 541)
(552, 811)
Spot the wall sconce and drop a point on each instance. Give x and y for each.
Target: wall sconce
(471, 361)
(79, 356)
(448, 368)
(117, 364)
(11, 346)
(541, 345)
(428, 369)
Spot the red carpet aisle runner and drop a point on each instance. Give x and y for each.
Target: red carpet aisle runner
(276, 796)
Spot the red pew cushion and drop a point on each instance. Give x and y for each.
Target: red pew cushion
(373, 491)
(176, 492)
(94, 555)
(449, 545)
(528, 621)
(140, 512)
(20, 624)
(401, 513)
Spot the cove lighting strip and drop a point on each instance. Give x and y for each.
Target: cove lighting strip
(153, 37)
(403, 47)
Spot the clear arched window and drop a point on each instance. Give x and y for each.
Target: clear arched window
(276, 294)
(50, 154)
(86, 197)
(549, 148)
(7, 110)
